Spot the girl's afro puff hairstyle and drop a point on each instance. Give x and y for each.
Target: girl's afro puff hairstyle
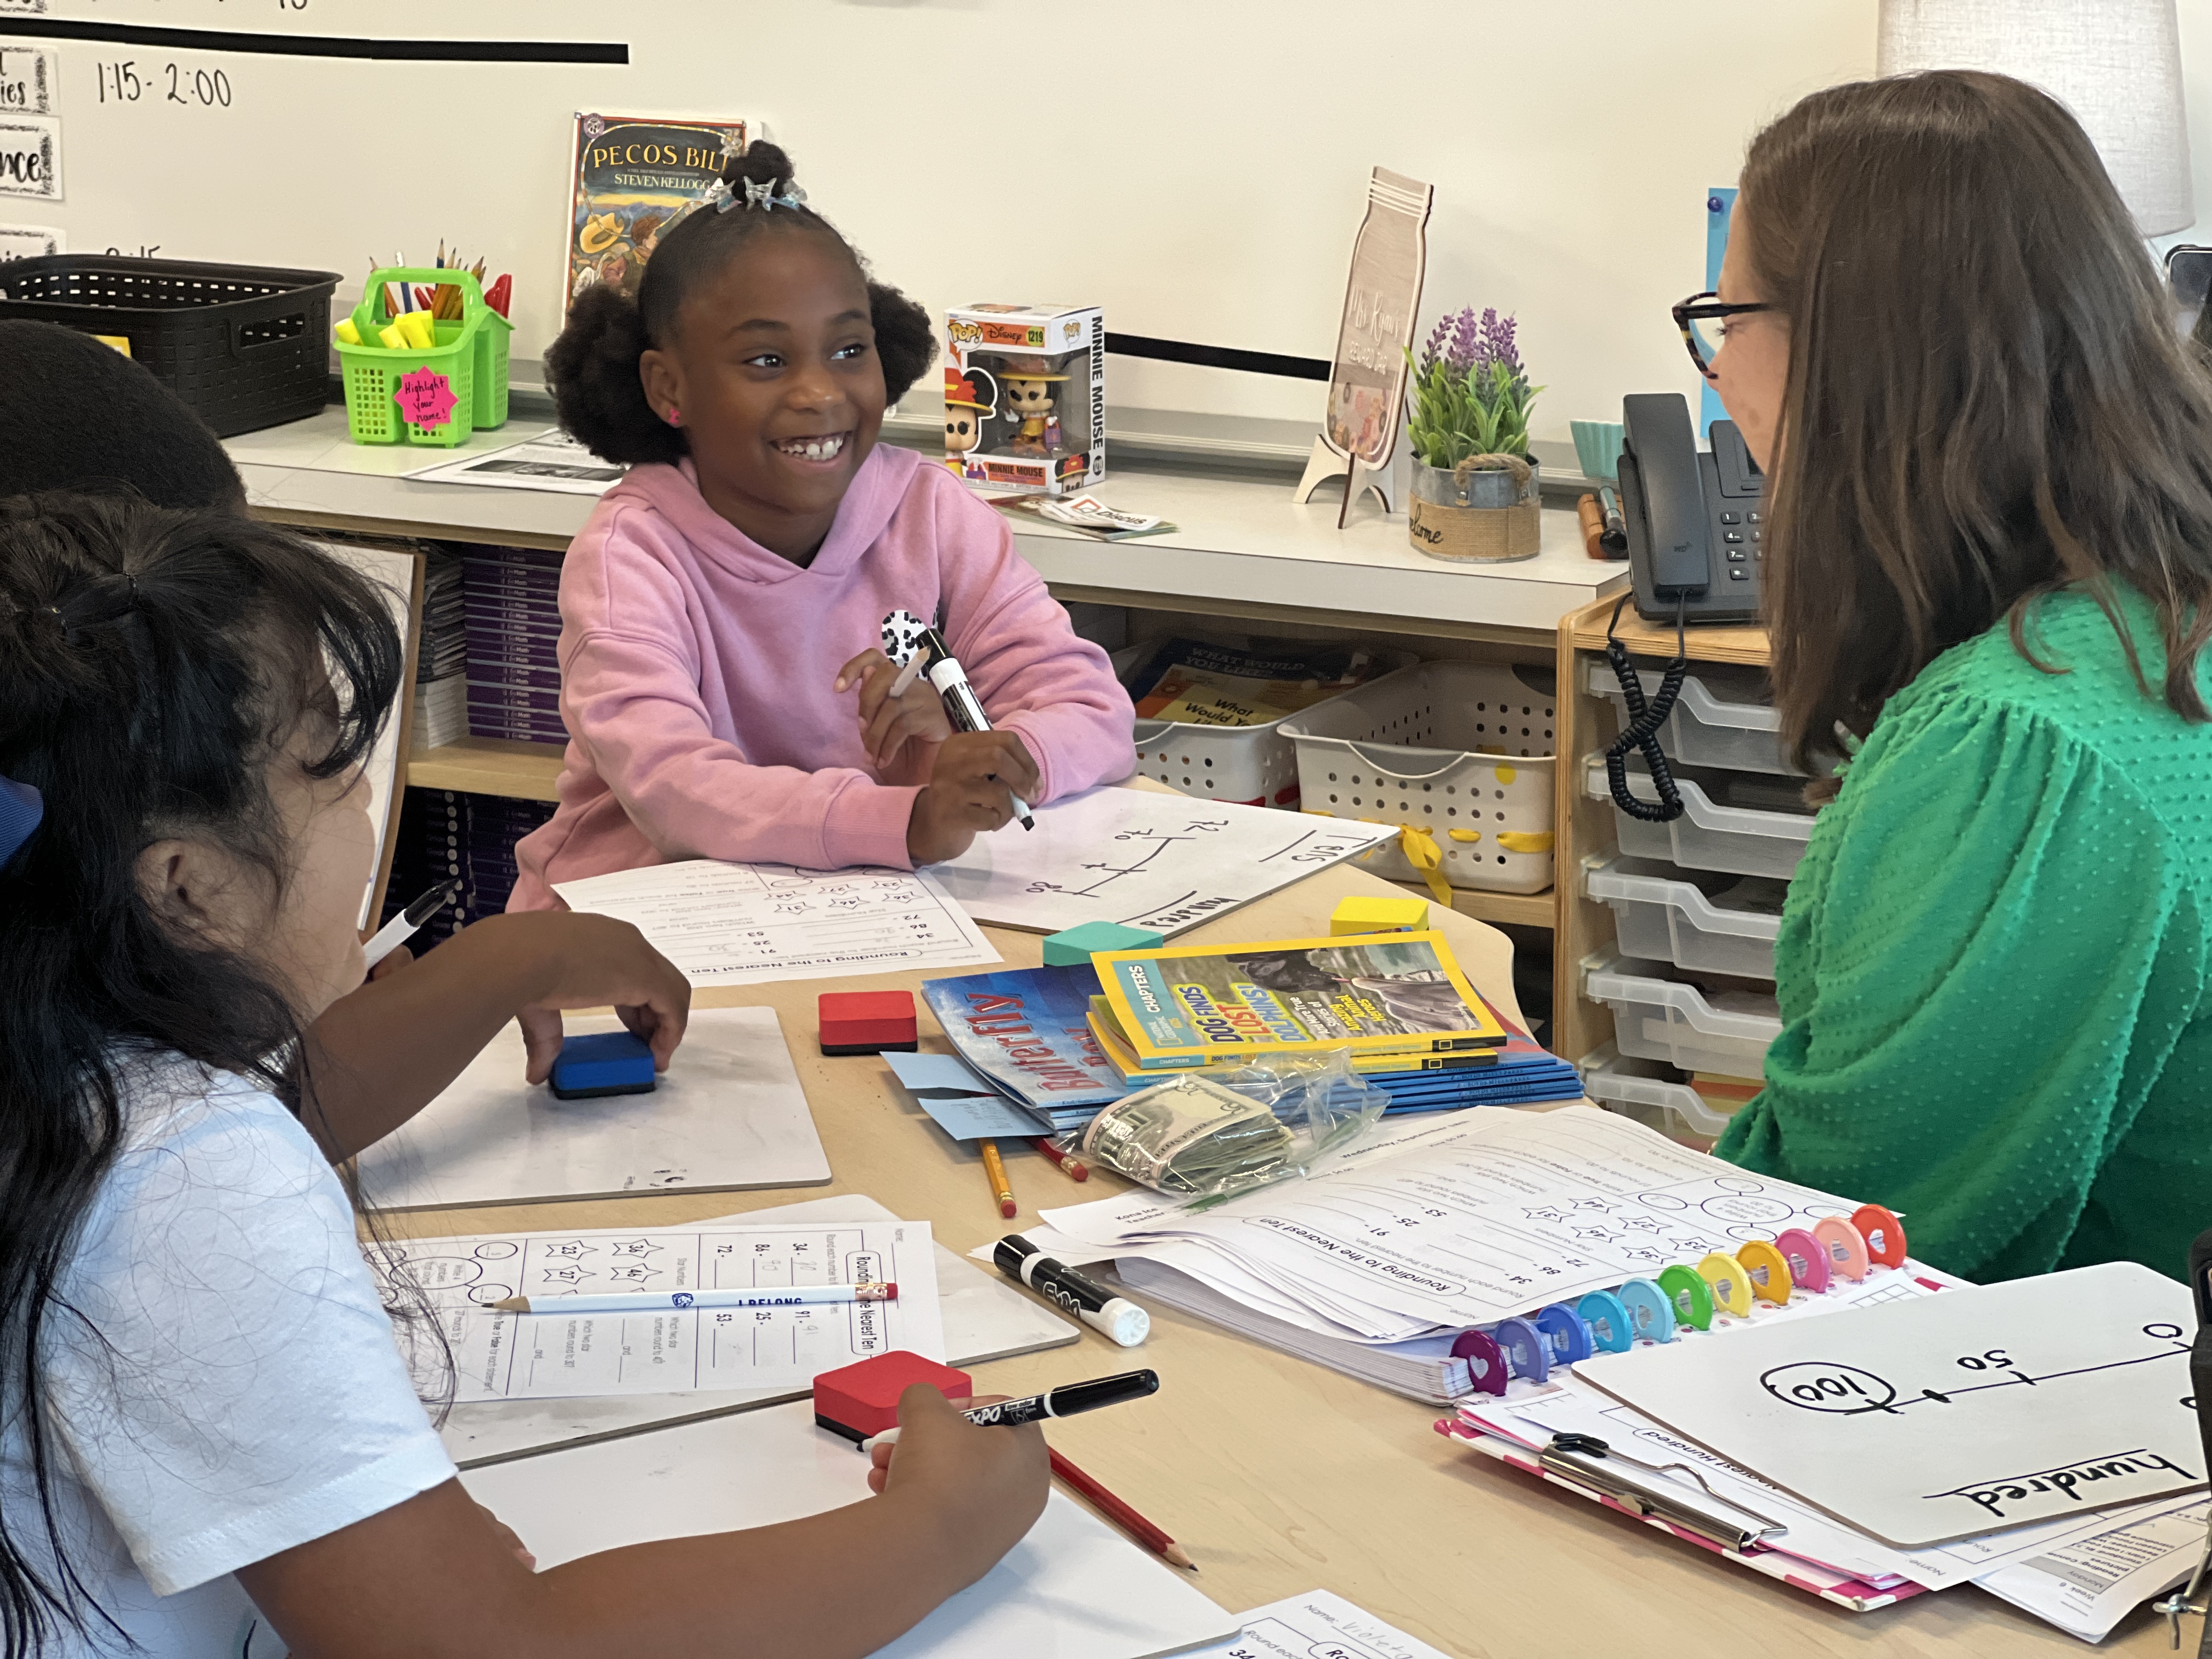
(592, 367)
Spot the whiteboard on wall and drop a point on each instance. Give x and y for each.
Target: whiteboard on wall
(1198, 171)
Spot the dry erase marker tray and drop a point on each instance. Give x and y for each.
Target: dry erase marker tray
(243, 346)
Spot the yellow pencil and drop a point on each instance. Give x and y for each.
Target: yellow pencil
(1001, 1188)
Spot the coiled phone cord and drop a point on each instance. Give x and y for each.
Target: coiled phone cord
(1645, 719)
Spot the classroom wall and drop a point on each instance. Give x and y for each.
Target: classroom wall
(1198, 169)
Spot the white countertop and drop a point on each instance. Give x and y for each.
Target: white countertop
(1236, 537)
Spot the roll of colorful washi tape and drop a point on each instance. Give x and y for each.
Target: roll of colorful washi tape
(1486, 1361)
(1884, 1232)
(1730, 1284)
(1609, 1324)
(1808, 1258)
(1650, 1315)
(1769, 1273)
(1845, 1244)
(1570, 1338)
(1694, 1302)
(1528, 1350)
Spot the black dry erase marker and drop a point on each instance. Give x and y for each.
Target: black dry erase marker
(961, 705)
(1080, 1294)
(402, 927)
(1067, 1401)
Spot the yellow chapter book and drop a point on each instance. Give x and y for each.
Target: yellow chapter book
(1123, 1058)
(1394, 993)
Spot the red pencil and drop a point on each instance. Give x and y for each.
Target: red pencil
(1122, 1516)
(1075, 1168)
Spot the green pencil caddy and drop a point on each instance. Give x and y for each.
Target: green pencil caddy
(438, 396)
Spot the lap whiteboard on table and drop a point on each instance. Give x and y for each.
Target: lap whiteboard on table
(727, 1114)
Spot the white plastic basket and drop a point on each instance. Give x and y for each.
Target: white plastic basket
(1460, 753)
(1654, 1018)
(1252, 765)
(1645, 1091)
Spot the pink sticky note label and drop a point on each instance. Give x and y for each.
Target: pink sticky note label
(426, 398)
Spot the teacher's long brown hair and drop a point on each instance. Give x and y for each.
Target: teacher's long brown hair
(1987, 397)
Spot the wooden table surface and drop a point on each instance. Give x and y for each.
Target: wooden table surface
(1279, 1476)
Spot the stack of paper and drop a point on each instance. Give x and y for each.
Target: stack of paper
(2083, 1573)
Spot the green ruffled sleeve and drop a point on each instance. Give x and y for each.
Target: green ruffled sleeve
(1988, 955)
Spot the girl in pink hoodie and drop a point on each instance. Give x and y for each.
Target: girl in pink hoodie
(722, 613)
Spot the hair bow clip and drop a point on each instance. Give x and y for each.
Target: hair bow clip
(762, 194)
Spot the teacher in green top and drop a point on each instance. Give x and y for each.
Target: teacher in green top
(1989, 582)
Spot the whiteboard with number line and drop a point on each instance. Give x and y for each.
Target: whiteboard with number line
(1163, 862)
(1942, 1417)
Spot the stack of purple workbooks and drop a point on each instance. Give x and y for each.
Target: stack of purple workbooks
(513, 606)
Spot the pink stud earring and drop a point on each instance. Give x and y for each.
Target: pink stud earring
(676, 417)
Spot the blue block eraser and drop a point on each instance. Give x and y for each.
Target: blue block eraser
(608, 1063)
(1076, 945)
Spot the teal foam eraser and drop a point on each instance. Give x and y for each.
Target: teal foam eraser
(1076, 946)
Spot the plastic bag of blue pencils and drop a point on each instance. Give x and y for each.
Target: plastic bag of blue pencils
(1209, 1135)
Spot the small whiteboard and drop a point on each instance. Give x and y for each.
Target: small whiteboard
(727, 1114)
(399, 573)
(1941, 1417)
(1160, 861)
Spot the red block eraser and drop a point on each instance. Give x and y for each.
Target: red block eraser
(867, 1022)
(861, 1401)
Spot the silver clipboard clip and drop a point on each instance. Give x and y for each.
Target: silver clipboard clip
(2191, 1597)
(1657, 1488)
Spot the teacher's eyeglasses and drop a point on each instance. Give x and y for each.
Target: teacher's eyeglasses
(1704, 320)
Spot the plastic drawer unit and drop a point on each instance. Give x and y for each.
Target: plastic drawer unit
(1644, 1090)
(1711, 920)
(1654, 1018)
(1721, 718)
(1717, 830)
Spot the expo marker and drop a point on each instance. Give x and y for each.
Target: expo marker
(1080, 1294)
(1064, 1401)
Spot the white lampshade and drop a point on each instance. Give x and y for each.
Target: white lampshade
(2116, 64)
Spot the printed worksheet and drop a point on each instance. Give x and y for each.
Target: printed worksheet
(1479, 1216)
(546, 1355)
(1317, 1626)
(1163, 862)
(742, 924)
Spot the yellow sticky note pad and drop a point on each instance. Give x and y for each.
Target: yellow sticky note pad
(1379, 915)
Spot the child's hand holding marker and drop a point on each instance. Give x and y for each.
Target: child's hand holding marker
(978, 1489)
(973, 788)
(892, 713)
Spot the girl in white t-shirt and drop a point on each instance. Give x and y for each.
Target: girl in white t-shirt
(209, 1443)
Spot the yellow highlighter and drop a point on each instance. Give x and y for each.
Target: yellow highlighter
(347, 333)
(393, 337)
(415, 325)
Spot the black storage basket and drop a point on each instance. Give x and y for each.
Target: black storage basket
(246, 346)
